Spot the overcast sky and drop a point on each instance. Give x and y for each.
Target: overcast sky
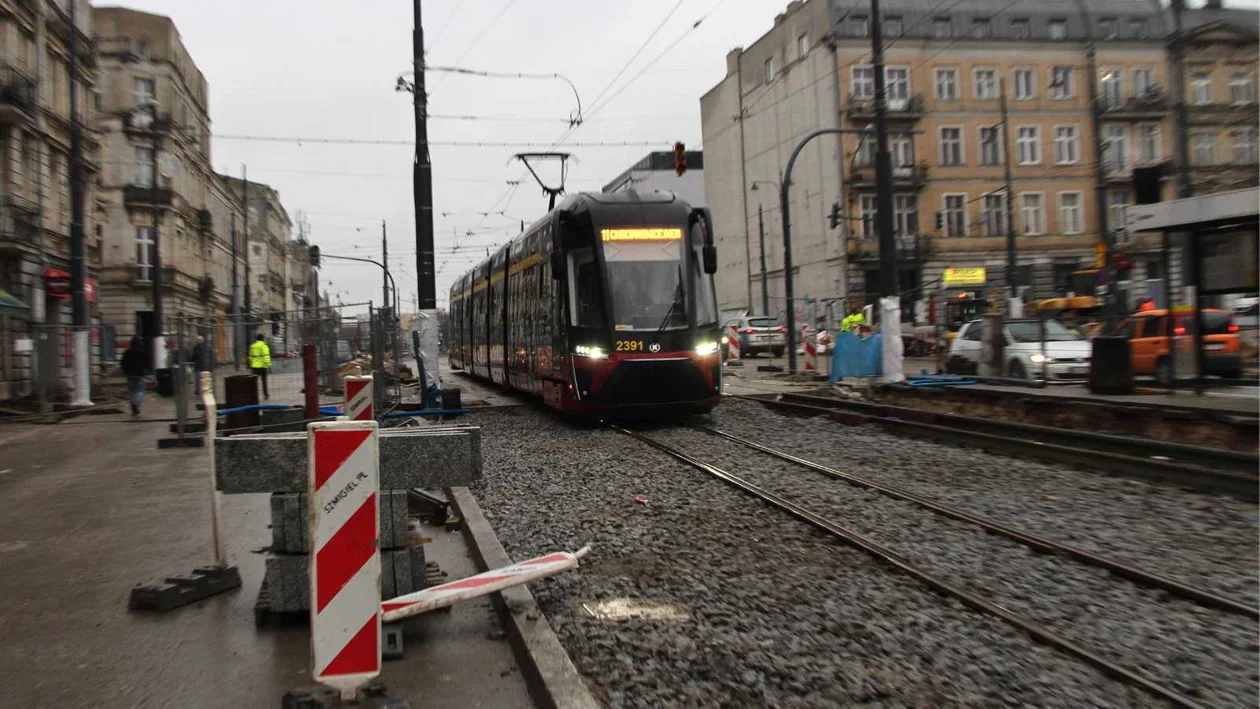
(327, 69)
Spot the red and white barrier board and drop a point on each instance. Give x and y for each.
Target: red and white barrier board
(732, 339)
(480, 585)
(810, 342)
(359, 398)
(344, 470)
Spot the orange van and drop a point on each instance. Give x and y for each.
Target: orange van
(1148, 339)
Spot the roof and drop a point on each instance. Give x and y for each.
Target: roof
(918, 16)
(658, 160)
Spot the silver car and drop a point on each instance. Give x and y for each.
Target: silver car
(1064, 355)
(758, 334)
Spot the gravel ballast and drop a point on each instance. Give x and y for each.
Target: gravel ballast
(750, 607)
(1201, 539)
(1205, 654)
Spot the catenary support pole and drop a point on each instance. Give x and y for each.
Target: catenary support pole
(765, 286)
(1012, 279)
(159, 330)
(78, 267)
(423, 176)
(888, 285)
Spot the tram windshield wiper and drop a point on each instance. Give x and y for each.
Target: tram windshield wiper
(678, 296)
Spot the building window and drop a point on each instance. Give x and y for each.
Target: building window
(990, 146)
(905, 215)
(1115, 144)
(1148, 143)
(955, 215)
(892, 26)
(986, 83)
(1058, 29)
(802, 46)
(951, 147)
(1203, 149)
(868, 205)
(942, 28)
(142, 49)
(1112, 84)
(1244, 145)
(858, 26)
(1117, 200)
(1019, 28)
(142, 91)
(1065, 147)
(863, 82)
(1028, 144)
(993, 215)
(1137, 28)
(1107, 28)
(1025, 84)
(1143, 82)
(1061, 82)
(144, 167)
(770, 70)
(866, 151)
(1070, 221)
(1242, 88)
(1033, 209)
(902, 149)
(897, 84)
(947, 84)
(144, 253)
(1201, 88)
(980, 28)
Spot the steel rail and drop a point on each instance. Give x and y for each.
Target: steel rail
(1242, 485)
(1039, 633)
(1132, 573)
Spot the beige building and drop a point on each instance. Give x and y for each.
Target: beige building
(270, 253)
(153, 115)
(945, 73)
(35, 310)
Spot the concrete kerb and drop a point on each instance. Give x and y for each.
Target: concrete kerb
(554, 681)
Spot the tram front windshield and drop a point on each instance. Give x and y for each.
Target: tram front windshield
(645, 284)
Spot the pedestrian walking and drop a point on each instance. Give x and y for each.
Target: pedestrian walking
(135, 365)
(260, 361)
(200, 362)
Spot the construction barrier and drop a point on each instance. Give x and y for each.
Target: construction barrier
(359, 398)
(810, 344)
(345, 566)
(732, 339)
(854, 356)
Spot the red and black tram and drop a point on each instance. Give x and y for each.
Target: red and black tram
(604, 306)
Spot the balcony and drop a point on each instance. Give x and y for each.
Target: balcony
(19, 221)
(910, 109)
(140, 196)
(1213, 113)
(143, 126)
(912, 176)
(1151, 105)
(910, 247)
(17, 95)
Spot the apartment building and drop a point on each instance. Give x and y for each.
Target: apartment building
(946, 71)
(159, 193)
(35, 309)
(270, 254)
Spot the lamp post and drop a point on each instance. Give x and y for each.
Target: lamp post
(761, 231)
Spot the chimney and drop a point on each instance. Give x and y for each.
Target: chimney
(732, 60)
(778, 19)
(1214, 4)
(794, 6)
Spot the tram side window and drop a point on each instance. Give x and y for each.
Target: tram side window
(706, 309)
(584, 289)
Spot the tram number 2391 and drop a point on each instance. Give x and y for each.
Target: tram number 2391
(631, 346)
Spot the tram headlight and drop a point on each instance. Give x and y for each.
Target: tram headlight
(706, 348)
(589, 351)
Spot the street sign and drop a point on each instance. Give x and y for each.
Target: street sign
(344, 476)
(965, 277)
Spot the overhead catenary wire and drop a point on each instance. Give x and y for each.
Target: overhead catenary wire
(480, 36)
(299, 140)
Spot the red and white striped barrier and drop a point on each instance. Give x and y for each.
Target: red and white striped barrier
(808, 339)
(482, 584)
(344, 469)
(732, 340)
(359, 398)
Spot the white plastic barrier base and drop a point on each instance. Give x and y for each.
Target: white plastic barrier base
(890, 326)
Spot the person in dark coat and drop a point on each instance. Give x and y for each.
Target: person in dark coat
(135, 364)
(200, 357)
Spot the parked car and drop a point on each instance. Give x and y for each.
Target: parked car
(756, 334)
(1148, 342)
(1066, 353)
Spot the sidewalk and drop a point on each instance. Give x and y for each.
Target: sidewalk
(93, 508)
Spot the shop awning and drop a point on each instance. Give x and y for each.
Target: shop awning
(12, 305)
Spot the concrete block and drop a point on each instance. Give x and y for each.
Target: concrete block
(434, 457)
(288, 577)
(289, 521)
(283, 420)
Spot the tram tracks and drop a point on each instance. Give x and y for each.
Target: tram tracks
(1191, 467)
(961, 590)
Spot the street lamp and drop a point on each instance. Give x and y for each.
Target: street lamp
(761, 230)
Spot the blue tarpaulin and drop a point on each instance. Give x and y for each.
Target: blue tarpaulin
(855, 356)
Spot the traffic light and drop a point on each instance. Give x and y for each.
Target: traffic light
(314, 254)
(940, 221)
(835, 216)
(680, 158)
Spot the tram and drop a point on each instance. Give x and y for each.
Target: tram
(605, 306)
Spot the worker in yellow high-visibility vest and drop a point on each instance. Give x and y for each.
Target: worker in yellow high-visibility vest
(854, 320)
(260, 361)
